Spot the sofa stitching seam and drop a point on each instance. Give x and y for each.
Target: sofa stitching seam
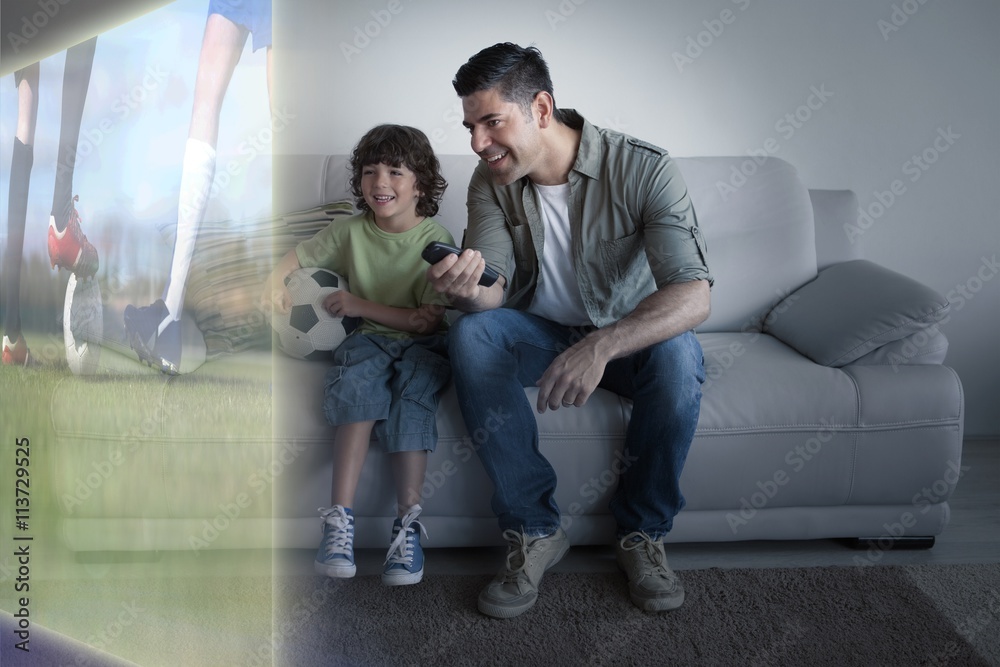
(924, 320)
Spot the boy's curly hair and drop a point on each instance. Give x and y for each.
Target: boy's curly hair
(400, 145)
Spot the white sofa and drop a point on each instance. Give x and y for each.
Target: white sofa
(827, 412)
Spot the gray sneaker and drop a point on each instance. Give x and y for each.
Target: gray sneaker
(652, 585)
(514, 589)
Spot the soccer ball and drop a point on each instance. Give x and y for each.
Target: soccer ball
(83, 325)
(307, 330)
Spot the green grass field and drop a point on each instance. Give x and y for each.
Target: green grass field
(229, 398)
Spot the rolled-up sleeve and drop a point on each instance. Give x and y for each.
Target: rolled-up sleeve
(487, 231)
(675, 246)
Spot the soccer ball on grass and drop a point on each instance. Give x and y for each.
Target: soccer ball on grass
(83, 325)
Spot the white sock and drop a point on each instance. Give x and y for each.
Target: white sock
(196, 187)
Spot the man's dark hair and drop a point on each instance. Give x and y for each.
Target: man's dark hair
(517, 73)
(399, 145)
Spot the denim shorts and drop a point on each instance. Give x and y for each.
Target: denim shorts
(254, 15)
(395, 382)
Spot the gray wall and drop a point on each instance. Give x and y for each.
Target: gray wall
(899, 81)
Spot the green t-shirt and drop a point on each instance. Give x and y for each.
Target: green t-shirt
(379, 266)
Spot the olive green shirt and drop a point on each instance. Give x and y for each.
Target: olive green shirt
(379, 266)
(633, 226)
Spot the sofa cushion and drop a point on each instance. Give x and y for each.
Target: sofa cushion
(851, 309)
(231, 262)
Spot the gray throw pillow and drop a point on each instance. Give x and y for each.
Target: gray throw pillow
(853, 308)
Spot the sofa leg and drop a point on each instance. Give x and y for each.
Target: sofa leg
(886, 543)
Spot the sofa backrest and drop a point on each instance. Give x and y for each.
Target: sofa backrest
(756, 216)
(757, 219)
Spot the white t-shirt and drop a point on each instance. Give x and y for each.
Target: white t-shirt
(557, 295)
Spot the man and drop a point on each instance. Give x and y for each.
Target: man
(603, 278)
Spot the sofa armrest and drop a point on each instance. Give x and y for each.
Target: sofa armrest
(851, 309)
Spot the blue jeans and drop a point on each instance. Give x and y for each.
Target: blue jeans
(395, 382)
(495, 354)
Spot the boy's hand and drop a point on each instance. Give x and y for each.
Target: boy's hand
(275, 296)
(344, 304)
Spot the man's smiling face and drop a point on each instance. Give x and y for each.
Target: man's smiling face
(507, 140)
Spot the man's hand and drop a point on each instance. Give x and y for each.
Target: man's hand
(457, 278)
(344, 304)
(573, 376)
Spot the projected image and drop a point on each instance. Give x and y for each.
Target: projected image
(124, 158)
(135, 209)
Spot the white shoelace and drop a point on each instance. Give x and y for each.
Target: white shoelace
(401, 548)
(340, 539)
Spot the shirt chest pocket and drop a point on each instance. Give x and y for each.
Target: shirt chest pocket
(623, 257)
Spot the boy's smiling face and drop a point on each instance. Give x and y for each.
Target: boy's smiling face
(391, 193)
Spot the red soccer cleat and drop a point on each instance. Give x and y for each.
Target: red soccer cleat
(70, 248)
(16, 354)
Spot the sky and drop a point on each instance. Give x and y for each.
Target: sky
(134, 129)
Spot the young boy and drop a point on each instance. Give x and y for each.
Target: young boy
(389, 373)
